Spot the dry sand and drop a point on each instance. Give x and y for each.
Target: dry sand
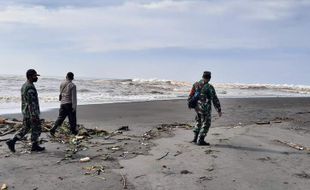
(252, 147)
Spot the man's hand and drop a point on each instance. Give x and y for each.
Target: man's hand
(220, 114)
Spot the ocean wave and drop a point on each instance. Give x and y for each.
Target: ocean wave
(298, 89)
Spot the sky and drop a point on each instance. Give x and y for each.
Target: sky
(239, 41)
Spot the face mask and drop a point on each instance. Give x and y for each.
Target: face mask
(35, 78)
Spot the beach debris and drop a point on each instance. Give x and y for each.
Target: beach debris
(186, 172)
(163, 156)
(210, 151)
(262, 122)
(123, 128)
(177, 153)
(267, 158)
(115, 148)
(293, 145)
(94, 170)
(140, 176)
(205, 178)
(2, 120)
(124, 181)
(86, 159)
(6, 139)
(4, 187)
(303, 112)
(210, 169)
(303, 175)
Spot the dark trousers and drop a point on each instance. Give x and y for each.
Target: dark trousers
(64, 111)
(28, 125)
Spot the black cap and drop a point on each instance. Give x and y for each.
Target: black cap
(70, 75)
(206, 75)
(31, 72)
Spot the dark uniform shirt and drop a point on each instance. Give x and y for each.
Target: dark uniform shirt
(207, 96)
(30, 101)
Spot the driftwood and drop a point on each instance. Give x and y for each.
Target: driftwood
(4, 139)
(293, 145)
(8, 132)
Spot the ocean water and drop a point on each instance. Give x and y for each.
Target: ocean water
(98, 91)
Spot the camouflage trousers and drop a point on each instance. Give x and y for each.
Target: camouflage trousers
(28, 125)
(203, 123)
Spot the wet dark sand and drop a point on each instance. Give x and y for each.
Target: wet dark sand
(243, 154)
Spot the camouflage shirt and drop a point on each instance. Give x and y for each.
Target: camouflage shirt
(207, 96)
(30, 101)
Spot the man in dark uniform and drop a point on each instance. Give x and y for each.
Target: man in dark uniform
(204, 107)
(31, 113)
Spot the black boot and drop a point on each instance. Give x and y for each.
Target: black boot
(202, 142)
(36, 147)
(11, 144)
(195, 137)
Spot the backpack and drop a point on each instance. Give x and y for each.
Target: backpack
(192, 101)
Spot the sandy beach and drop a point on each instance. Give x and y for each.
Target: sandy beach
(258, 143)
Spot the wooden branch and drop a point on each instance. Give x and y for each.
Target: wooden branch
(163, 156)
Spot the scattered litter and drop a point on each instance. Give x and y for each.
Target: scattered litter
(86, 159)
(203, 178)
(262, 122)
(303, 175)
(186, 172)
(210, 151)
(139, 176)
(178, 153)
(94, 170)
(4, 187)
(304, 112)
(264, 159)
(123, 128)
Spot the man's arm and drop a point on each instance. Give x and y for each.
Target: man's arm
(74, 98)
(216, 102)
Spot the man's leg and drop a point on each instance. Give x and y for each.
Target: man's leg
(19, 135)
(197, 128)
(61, 117)
(72, 120)
(35, 134)
(204, 129)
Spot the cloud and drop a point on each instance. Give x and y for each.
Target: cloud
(105, 26)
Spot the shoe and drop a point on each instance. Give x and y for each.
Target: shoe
(195, 137)
(35, 147)
(11, 145)
(74, 132)
(202, 142)
(52, 132)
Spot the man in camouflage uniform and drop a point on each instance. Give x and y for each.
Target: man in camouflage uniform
(204, 107)
(31, 113)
